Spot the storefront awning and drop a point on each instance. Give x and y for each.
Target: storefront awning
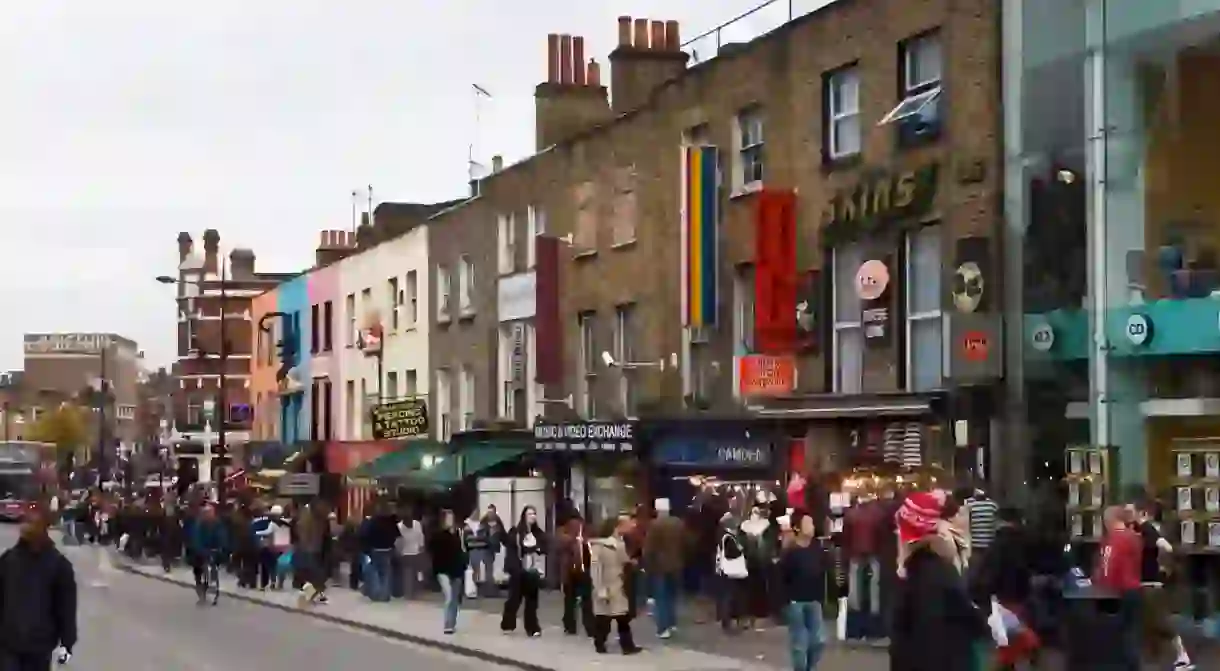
(449, 470)
(841, 406)
(404, 460)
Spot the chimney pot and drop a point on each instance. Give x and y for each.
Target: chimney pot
(578, 60)
(624, 31)
(673, 38)
(497, 163)
(552, 58)
(656, 39)
(594, 76)
(565, 59)
(641, 34)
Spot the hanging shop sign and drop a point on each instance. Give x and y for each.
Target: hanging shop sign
(872, 287)
(407, 418)
(1042, 338)
(969, 286)
(878, 201)
(1138, 330)
(762, 375)
(976, 352)
(586, 437)
(708, 452)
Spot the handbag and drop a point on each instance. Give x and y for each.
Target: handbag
(731, 568)
(471, 588)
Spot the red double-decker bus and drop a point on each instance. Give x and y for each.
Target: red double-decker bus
(20, 476)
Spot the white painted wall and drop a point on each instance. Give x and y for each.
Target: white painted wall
(406, 348)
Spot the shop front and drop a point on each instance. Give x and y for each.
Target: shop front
(594, 466)
(695, 460)
(1114, 251)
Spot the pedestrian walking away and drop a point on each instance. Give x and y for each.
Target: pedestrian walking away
(525, 546)
(37, 601)
(447, 549)
(664, 546)
(802, 573)
(572, 549)
(608, 562)
(207, 545)
(380, 535)
(411, 556)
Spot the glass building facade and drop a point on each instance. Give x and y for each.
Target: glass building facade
(1112, 243)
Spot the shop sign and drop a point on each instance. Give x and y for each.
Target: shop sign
(1139, 330)
(1043, 338)
(517, 296)
(976, 351)
(855, 212)
(872, 287)
(299, 484)
(407, 418)
(67, 343)
(712, 453)
(586, 437)
(766, 375)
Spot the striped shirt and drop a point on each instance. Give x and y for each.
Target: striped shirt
(983, 514)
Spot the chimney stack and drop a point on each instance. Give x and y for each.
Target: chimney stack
(211, 251)
(241, 263)
(572, 98)
(185, 246)
(648, 55)
(497, 163)
(334, 245)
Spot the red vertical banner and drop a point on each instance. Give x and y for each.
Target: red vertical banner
(548, 329)
(775, 280)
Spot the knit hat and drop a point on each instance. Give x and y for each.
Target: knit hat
(918, 516)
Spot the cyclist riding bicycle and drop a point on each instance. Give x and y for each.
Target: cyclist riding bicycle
(207, 545)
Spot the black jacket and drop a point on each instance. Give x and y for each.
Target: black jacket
(514, 549)
(935, 622)
(1007, 568)
(37, 599)
(448, 555)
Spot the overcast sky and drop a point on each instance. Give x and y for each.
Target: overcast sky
(127, 121)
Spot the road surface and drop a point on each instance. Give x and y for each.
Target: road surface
(137, 624)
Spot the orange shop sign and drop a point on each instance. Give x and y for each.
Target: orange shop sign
(766, 375)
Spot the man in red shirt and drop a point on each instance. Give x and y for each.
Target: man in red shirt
(1118, 572)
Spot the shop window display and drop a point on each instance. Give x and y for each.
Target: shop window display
(1114, 214)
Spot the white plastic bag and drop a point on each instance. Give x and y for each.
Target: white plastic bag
(841, 620)
(995, 621)
(472, 589)
(497, 569)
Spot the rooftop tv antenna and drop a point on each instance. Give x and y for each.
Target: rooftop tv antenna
(474, 169)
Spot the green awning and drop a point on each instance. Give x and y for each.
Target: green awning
(452, 469)
(407, 458)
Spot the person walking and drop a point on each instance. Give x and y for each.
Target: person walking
(608, 562)
(447, 549)
(411, 557)
(478, 552)
(573, 553)
(262, 531)
(732, 572)
(802, 575)
(207, 545)
(1157, 554)
(381, 534)
(280, 543)
(525, 547)
(310, 529)
(664, 546)
(936, 624)
(37, 600)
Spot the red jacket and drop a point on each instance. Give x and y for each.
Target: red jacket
(1118, 561)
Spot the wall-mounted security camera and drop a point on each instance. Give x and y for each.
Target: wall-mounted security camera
(608, 359)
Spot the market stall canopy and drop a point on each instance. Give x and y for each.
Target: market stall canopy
(409, 457)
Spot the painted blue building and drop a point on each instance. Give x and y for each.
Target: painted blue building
(293, 301)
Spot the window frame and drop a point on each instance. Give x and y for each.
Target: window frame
(838, 327)
(914, 97)
(833, 115)
(350, 308)
(624, 345)
(743, 301)
(395, 301)
(908, 292)
(443, 297)
(587, 373)
(315, 328)
(328, 326)
(750, 151)
(506, 242)
(466, 283)
(412, 289)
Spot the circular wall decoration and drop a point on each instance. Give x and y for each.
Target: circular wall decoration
(871, 280)
(1139, 330)
(968, 287)
(1042, 339)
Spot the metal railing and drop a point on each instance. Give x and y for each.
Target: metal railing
(749, 26)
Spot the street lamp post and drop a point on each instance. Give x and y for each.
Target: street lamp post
(222, 395)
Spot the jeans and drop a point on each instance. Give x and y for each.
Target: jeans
(451, 589)
(408, 570)
(805, 636)
(483, 563)
(379, 576)
(864, 581)
(665, 600)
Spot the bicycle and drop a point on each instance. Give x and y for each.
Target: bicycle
(209, 579)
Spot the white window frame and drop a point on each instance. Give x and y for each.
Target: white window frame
(390, 391)
(917, 94)
(442, 294)
(412, 299)
(466, 283)
(743, 309)
(506, 243)
(840, 327)
(466, 388)
(586, 373)
(909, 289)
(840, 111)
(624, 355)
(394, 294)
(352, 409)
(410, 383)
(349, 306)
(443, 400)
(750, 142)
(535, 220)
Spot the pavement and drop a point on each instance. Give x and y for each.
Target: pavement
(138, 624)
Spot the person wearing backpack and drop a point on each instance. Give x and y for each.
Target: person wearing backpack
(732, 572)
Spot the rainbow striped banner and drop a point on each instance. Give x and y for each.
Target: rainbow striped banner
(700, 217)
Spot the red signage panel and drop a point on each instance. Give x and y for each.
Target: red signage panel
(775, 277)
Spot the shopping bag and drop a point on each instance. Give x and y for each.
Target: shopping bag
(841, 620)
(283, 565)
(123, 541)
(995, 622)
(471, 588)
(497, 569)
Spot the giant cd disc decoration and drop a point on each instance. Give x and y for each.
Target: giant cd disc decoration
(371, 334)
(968, 287)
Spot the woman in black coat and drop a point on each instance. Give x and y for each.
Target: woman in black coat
(525, 548)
